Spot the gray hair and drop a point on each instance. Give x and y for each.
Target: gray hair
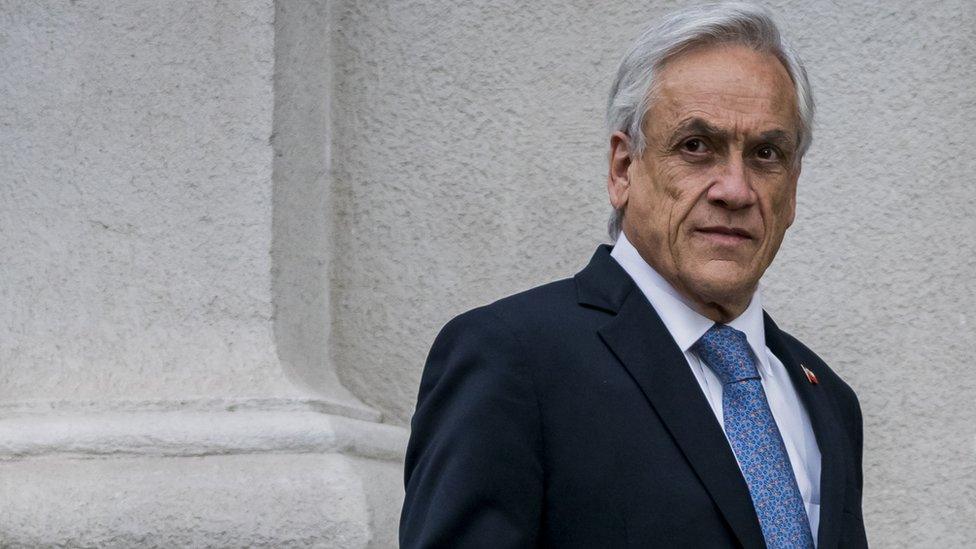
(736, 23)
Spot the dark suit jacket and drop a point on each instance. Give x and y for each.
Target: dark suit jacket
(566, 416)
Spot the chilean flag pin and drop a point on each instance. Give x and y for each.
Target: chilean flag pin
(811, 377)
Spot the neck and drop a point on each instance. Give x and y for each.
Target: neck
(721, 307)
(721, 312)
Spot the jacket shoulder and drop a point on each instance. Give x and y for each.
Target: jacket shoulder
(518, 310)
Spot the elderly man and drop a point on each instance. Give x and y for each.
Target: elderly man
(649, 401)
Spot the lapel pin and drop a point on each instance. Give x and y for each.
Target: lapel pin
(811, 377)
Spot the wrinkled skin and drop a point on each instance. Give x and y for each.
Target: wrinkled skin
(709, 200)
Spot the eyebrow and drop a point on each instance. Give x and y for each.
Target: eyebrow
(700, 126)
(778, 137)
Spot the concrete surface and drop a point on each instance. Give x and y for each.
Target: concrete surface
(472, 164)
(274, 206)
(165, 368)
(279, 500)
(136, 210)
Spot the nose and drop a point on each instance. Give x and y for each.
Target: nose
(732, 187)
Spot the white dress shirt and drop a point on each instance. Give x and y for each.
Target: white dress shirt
(687, 326)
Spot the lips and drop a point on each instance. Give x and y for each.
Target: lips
(723, 234)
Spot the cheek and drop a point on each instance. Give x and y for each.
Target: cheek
(778, 205)
(688, 201)
(676, 191)
(782, 195)
(669, 194)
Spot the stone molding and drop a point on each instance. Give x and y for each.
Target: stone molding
(238, 428)
(197, 473)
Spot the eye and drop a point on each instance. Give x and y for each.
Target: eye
(768, 152)
(694, 145)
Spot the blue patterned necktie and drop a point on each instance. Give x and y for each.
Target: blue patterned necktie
(755, 439)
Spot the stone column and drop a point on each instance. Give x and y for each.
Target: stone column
(166, 217)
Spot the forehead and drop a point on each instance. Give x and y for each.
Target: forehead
(726, 85)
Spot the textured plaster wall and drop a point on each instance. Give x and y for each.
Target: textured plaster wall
(303, 209)
(469, 163)
(194, 502)
(878, 273)
(165, 224)
(460, 157)
(136, 200)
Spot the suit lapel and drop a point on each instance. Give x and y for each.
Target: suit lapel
(642, 343)
(825, 429)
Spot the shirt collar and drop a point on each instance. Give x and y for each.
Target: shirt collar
(684, 323)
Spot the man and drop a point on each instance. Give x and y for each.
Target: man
(649, 401)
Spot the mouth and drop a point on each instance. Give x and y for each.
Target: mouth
(723, 235)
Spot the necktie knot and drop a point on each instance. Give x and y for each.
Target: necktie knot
(726, 351)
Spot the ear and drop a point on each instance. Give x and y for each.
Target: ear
(618, 182)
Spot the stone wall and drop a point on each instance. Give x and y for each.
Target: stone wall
(472, 164)
(166, 376)
(231, 230)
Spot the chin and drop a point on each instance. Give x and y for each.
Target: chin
(724, 283)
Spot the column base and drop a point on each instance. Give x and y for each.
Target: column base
(199, 478)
